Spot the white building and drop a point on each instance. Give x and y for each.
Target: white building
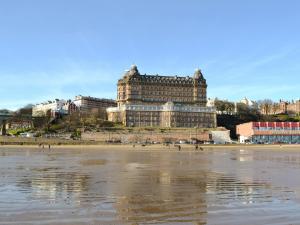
(211, 102)
(57, 106)
(221, 137)
(249, 103)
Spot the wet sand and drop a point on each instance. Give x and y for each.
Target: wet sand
(73, 185)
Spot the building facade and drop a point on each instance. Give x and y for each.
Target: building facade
(14, 124)
(84, 104)
(291, 108)
(87, 104)
(250, 103)
(52, 108)
(269, 132)
(162, 101)
(283, 107)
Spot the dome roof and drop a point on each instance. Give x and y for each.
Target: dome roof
(198, 74)
(133, 71)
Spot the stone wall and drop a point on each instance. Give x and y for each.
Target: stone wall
(150, 136)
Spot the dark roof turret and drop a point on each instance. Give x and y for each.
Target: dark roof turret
(198, 74)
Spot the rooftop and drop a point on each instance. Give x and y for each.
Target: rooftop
(134, 74)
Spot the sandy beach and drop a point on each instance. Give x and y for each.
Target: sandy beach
(154, 147)
(122, 184)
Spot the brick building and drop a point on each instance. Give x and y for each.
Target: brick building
(14, 124)
(291, 108)
(269, 132)
(285, 107)
(87, 104)
(162, 101)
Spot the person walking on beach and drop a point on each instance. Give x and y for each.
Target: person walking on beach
(49, 146)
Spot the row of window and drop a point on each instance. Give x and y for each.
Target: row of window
(164, 88)
(177, 114)
(166, 94)
(143, 114)
(276, 139)
(154, 118)
(149, 123)
(276, 128)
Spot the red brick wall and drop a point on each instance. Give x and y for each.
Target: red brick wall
(245, 129)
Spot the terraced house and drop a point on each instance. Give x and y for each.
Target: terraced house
(162, 101)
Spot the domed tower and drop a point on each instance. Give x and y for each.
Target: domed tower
(198, 74)
(129, 86)
(200, 87)
(134, 71)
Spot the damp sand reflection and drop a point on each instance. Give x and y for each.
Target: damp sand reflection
(99, 186)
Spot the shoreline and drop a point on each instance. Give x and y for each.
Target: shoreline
(153, 147)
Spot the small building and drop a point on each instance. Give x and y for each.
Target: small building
(14, 124)
(221, 136)
(269, 132)
(249, 103)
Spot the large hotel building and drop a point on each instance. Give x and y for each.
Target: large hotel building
(162, 101)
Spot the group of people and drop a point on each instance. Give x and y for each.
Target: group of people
(168, 145)
(196, 147)
(43, 146)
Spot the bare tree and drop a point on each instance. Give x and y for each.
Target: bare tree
(265, 106)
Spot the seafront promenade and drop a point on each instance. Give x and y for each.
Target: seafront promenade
(25, 143)
(121, 135)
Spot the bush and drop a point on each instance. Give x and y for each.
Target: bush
(49, 130)
(18, 131)
(38, 134)
(57, 126)
(76, 134)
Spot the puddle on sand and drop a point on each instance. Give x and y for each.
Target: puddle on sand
(93, 162)
(53, 185)
(44, 169)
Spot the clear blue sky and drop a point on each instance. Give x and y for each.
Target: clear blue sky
(60, 48)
